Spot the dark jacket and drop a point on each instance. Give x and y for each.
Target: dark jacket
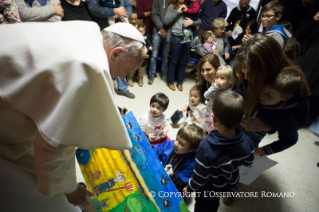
(217, 162)
(281, 118)
(210, 11)
(244, 15)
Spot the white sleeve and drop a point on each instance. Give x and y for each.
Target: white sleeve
(62, 83)
(211, 92)
(143, 123)
(54, 166)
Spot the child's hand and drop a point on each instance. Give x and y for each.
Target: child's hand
(220, 84)
(150, 48)
(260, 151)
(185, 192)
(226, 56)
(151, 137)
(216, 53)
(169, 170)
(163, 134)
(190, 113)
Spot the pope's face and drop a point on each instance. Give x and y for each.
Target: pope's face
(123, 66)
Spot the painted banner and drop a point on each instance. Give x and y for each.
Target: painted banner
(129, 180)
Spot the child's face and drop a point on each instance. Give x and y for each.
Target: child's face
(194, 97)
(141, 30)
(156, 110)
(269, 19)
(248, 31)
(181, 146)
(221, 81)
(208, 72)
(209, 39)
(270, 97)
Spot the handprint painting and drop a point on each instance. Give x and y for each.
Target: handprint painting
(129, 180)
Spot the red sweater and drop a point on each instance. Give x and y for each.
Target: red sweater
(142, 7)
(195, 8)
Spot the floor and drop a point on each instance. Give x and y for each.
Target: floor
(295, 172)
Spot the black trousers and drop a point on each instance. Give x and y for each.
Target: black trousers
(205, 201)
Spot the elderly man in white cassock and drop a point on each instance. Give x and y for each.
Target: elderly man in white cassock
(56, 93)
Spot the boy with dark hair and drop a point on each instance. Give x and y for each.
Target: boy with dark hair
(219, 156)
(153, 123)
(270, 15)
(273, 111)
(178, 157)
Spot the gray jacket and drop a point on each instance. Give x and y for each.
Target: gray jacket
(36, 12)
(280, 34)
(158, 13)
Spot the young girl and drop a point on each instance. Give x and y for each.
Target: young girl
(208, 42)
(195, 109)
(222, 82)
(251, 29)
(153, 123)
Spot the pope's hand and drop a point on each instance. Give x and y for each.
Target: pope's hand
(79, 196)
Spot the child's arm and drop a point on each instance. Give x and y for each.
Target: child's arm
(194, 9)
(184, 108)
(165, 131)
(212, 91)
(208, 47)
(201, 172)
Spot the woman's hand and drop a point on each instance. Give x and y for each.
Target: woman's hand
(247, 38)
(260, 151)
(79, 196)
(255, 124)
(58, 9)
(187, 22)
(316, 17)
(181, 8)
(226, 56)
(164, 33)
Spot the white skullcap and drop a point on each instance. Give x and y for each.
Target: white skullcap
(126, 30)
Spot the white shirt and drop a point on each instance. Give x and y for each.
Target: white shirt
(152, 125)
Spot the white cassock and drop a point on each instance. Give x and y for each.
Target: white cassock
(56, 94)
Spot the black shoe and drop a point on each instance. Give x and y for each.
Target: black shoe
(194, 71)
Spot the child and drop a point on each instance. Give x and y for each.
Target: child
(195, 109)
(191, 11)
(178, 157)
(220, 154)
(251, 29)
(141, 28)
(271, 14)
(208, 42)
(272, 110)
(223, 82)
(153, 123)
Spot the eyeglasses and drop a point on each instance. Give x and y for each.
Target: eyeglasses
(266, 16)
